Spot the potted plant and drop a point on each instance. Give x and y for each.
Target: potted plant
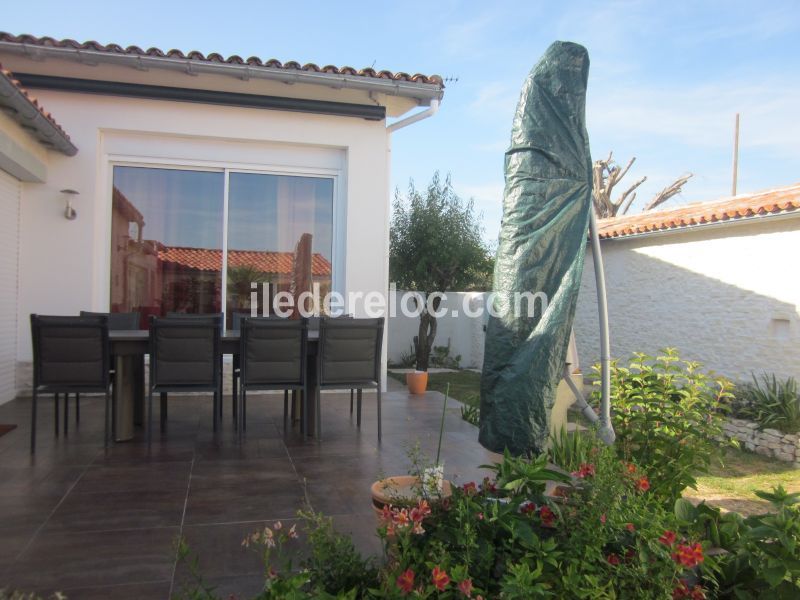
(435, 245)
(427, 483)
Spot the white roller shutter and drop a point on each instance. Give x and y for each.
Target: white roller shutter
(10, 193)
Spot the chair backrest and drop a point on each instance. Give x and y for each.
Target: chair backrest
(273, 351)
(185, 352)
(117, 321)
(236, 319)
(70, 351)
(349, 351)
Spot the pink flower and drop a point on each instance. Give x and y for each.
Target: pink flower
(585, 470)
(547, 516)
(613, 559)
(465, 587)
(470, 489)
(406, 581)
(439, 578)
(667, 538)
(630, 527)
(603, 518)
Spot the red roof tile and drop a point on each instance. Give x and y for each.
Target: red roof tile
(218, 58)
(204, 259)
(745, 206)
(9, 76)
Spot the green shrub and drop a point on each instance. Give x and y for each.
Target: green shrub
(667, 414)
(471, 414)
(570, 450)
(770, 402)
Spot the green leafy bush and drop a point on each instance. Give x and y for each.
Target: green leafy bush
(608, 537)
(770, 402)
(570, 450)
(667, 414)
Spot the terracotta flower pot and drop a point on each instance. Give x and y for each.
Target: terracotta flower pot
(402, 491)
(417, 382)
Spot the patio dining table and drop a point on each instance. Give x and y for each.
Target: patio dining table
(129, 347)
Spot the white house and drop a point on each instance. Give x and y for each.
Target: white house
(189, 170)
(717, 280)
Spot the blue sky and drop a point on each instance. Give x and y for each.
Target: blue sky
(665, 82)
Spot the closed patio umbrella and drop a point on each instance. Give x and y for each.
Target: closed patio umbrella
(546, 216)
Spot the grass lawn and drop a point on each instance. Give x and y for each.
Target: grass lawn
(464, 385)
(730, 485)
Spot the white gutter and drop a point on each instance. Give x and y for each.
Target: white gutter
(423, 92)
(410, 120)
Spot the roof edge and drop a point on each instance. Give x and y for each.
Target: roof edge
(26, 111)
(420, 87)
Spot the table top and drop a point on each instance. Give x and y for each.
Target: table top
(136, 335)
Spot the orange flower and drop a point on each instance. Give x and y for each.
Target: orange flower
(439, 578)
(470, 489)
(642, 484)
(688, 556)
(406, 581)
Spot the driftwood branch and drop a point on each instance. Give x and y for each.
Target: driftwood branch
(606, 175)
(673, 189)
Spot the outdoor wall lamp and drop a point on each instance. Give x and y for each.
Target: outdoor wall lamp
(69, 213)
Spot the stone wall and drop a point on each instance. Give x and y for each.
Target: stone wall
(719, 295)
(766, 442)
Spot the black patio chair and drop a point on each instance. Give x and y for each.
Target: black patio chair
(180, 315)
(236, 325)
(313, 324)
(70, 355)
(349, 357)
(272, 356)
(184, 357)
(127, 321)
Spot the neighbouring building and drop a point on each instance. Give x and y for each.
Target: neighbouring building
(716, 280)
(187, 178)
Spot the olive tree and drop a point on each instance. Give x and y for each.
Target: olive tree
(436, 245)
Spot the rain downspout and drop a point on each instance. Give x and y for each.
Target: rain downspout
(428, 112)
(606, 431)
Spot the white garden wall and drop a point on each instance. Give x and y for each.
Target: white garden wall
(464, 333)
(727, 295)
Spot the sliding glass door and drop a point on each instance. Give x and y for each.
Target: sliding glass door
(280, 238)
(171, 244)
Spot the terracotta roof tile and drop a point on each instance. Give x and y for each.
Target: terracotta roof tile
(204, 259)
(8, 75)
(31, 40)
(745, 206)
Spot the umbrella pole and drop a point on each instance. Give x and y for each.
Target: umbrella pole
(606, 430)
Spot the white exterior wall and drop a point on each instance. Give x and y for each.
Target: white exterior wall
(465, 334)
(64, 265)
(10, 192)
(727, 296)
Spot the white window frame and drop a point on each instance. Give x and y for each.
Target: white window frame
(226, 168)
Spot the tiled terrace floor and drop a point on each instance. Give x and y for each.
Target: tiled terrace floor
(101, 524)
